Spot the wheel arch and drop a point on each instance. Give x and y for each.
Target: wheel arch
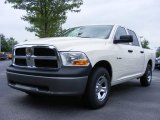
(106, 65)
(150, 63)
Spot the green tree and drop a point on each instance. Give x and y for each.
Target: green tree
(7, 43)
(145, 44)
(157, 54)
(46, 16)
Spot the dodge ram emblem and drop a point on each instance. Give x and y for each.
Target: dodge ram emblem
(28, 53)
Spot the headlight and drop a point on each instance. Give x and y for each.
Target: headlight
(74, 59)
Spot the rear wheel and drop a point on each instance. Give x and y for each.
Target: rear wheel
(146, 79)
(98, 88)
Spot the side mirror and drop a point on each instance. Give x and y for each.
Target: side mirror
(124, 39)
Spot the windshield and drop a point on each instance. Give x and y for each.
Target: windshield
(96, 31)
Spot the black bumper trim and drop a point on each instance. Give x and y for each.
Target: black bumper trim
(54, 85)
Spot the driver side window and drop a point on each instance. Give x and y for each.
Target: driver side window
(120, 31)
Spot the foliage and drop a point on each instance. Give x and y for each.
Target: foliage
(46, 16)
(145, 44)
(158, 49)
(7, 43)
(157, 54)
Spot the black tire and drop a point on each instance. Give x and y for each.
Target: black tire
(146, 79)
(97, 82)
(31, 94)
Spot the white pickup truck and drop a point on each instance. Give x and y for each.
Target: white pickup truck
(85, 61)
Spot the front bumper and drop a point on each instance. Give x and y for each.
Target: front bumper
(47, 82)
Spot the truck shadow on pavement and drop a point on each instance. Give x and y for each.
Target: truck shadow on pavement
(120, 91)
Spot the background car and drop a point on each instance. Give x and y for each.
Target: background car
(157, 63)
(3, 56)
(9, 55)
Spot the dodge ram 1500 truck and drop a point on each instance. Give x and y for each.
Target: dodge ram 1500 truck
(85, 60)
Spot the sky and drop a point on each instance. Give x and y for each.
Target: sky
(142, 16)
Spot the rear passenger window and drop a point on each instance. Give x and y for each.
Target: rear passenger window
(135, 39)
(120, 31)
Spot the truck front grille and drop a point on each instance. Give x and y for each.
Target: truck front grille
(20, 62)
(36, 57)
(20, 51)
(44, 52)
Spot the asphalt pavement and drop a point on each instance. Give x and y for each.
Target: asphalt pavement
(128, 101)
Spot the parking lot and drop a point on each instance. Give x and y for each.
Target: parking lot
(128, 101)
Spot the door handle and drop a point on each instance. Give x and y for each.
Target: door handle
(142, 52)
(130, 51)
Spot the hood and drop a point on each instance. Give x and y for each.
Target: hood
(67, 43)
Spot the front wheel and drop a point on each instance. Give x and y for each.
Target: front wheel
(98, 88)
(146, 79)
